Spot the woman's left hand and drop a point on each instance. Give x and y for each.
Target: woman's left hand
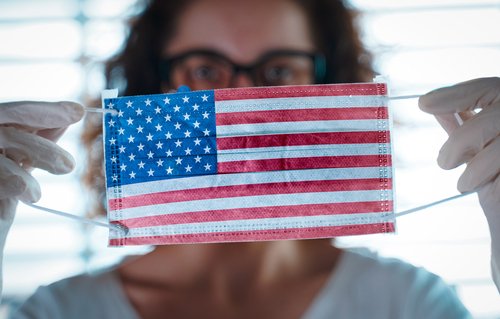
(476, 143)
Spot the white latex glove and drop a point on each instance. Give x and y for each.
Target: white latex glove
(28, 131)
(476, 143)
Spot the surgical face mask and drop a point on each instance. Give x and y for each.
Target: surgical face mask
(249, 164)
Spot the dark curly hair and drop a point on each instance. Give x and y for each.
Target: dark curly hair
(135, 69)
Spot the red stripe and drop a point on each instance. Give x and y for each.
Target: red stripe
(258, 213)
(301, 91)
(248, 190)
(322, 114)
(303, 163)
(228, 143)
(245, 236)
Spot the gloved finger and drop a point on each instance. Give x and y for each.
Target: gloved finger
(482, 169)
(470, 138)
(40, 115)
(15, 182)
(53, 134)
(35, 151)
(470, 95)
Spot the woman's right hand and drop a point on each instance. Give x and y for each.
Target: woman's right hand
(28, 132)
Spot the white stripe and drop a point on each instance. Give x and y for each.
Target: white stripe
(301, 127)
(258, 224)
(302, 151)
(293, 103)
(248, 178)
(251, 202)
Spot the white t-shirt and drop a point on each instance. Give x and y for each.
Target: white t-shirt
(364, 285)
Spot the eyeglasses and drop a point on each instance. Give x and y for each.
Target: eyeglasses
(207, 69)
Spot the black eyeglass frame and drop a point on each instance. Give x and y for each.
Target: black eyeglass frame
(318, 60)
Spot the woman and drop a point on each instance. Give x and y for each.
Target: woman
(212, 43)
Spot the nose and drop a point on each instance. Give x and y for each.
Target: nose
(242, 79)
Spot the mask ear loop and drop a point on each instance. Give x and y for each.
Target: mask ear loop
(460, 121)
(444, 200)
(116, 227)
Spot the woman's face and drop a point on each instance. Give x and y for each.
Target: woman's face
(272, 35)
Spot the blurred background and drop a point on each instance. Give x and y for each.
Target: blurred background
(54, 49)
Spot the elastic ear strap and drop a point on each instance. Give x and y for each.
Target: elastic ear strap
(444, 200)
(124, 230)
(119, 228)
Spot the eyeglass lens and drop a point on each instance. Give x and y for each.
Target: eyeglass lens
(205, 71)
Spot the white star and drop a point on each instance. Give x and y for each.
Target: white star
(129, 104)
(178, 143)
(185, 99)
(169, 153)
(148, 102)
(111, 123)
(168, 135)
(169, 170)
(138, 112)
(196, 107)
(120, 113)
(197, 141)
(131, 157)
(122, 149)
(158, 127)
(186, 116)
(207, 167)
(131, 139)
(157, 110)
(139, 129)
(121, 131)
(188, 151)
(123, 167)
(188, 168)
(112, 141)
(132, 174)
(159, 145)
(151, 172)
(197, 159)
(178, 161)
(150, 154)
(204, 98)
(177, 126)
(187, 134)
(110, 105)
(207, 149)
(196, 124)
(149, 137)
(177, 108)
(168, 118)
(141, 165)
(206, 132)
(114, 178)
(166, 100)
(140, 147)
(205, 115)
(113, 159)
(159, 162)
(130, 121)
(149, 119)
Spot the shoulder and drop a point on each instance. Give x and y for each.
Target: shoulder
(367, 284)
(371, 266)
(401, 278)
(71, 297)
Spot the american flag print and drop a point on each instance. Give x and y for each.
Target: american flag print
(249, 164)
